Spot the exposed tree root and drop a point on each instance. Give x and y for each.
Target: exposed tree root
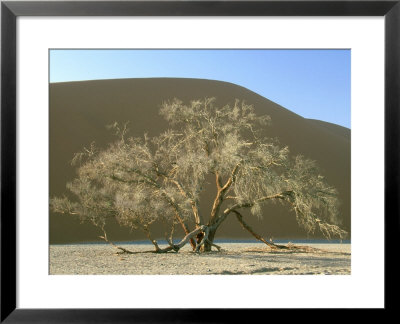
(290, 246)
(215, 245)
(172, 247)
(186, 230)
(202, 232)
(301, 248)
(188, 238)
(122, 250)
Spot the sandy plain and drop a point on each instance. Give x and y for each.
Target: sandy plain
(235, 258)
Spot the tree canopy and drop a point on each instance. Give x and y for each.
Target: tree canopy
(140, 181)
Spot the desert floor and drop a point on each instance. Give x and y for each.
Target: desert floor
(235, 258)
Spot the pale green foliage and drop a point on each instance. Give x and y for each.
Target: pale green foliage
(139, 181)
(213, 135)
(260, 174)
(313, 200)
(123, 182)
(95, 203)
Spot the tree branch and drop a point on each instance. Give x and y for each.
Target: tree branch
(194, 202)
(250, 230)
(226, 212)
(221, 192)
(251, 204)
(104, 237)
(231, 179)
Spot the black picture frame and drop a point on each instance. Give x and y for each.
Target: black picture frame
(11, 10)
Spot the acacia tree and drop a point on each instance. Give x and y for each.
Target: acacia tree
(140, 181)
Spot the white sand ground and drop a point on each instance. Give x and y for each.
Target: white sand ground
(236, 258)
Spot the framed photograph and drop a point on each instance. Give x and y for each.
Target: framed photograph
(178, 116)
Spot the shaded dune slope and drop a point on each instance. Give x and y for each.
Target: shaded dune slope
(79, 112)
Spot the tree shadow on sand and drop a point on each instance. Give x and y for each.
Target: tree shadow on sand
(255, 271)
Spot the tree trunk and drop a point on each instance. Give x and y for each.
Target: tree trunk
(210, 241)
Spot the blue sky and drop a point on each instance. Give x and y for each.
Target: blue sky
(312, 83)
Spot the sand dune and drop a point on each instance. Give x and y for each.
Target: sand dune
(79, 112)
(333, 128)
